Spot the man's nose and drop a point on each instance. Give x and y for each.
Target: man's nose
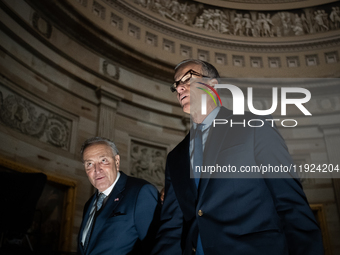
(180, 87)
(97, 167)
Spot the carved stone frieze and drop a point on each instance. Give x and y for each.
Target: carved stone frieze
(247, 23)
(243, 24)
(20, 114)
(264, 1)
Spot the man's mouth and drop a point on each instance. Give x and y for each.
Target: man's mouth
(182, 97)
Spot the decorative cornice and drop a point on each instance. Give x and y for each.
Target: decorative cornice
(265, 4)
(265, 1)
(216, 42)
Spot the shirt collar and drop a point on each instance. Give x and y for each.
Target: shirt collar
(109, 189)
(209, 119)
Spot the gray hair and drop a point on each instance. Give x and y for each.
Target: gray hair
(100, 140)
(207, 68)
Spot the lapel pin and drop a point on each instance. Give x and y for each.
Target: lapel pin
(116, 199)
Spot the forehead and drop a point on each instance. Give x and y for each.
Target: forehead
(97, 149)
(185, 68)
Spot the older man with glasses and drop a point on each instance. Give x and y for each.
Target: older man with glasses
(215, 214)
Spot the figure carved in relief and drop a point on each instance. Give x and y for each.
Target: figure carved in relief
(217, 19)
(199, 22)
(248, 23)
(224, 28)
(297, 28)
(282, 23)
(175, 9)
(238, 24)
(335, 17)
(319, 24)
(266, 22)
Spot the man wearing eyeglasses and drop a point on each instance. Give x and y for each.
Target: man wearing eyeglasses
(119, 217)
(202, 214)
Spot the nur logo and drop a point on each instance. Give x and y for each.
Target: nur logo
(204, 97)
(238, 99)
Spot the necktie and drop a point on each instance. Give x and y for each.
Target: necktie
(198, 153)
(89, 223)
(101, 198)
(198, 161)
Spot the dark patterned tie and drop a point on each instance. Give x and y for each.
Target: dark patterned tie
(96, 207)
(198, 161)
(101, 198)
(198, 153)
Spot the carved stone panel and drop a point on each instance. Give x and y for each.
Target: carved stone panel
(332, 57)
(147, 161)
(168, 46)
(98, 10)
(274, 62)
(31, 119)
(151, 39)
(116, 21)
(293, 61)
(220, 58)
(312, 60)
(134, 31)
(186, 51)
(203, 55)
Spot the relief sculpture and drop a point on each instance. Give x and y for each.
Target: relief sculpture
(247, 23)
(148, 162)
(30, 119)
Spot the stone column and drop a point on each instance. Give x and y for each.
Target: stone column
(332, 139)
(107, 113)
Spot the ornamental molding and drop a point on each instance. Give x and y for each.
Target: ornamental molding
(30, 118)
(265, 1)
(216, 42)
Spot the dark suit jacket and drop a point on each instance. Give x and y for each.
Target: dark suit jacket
(124, 224)
(239, 216)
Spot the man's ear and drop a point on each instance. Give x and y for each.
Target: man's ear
(213, 82)
(117, 162)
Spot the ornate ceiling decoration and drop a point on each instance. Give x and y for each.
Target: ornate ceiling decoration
(122, 30)
(226, 21)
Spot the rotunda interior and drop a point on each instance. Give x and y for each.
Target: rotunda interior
(74, 69)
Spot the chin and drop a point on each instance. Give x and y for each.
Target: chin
(186, 108)
(102, 187)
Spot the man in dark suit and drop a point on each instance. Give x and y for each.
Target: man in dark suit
(118, 218)
(216, 214)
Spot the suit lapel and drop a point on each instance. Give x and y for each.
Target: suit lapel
(86, 217)
(217, 136)
(180, 174)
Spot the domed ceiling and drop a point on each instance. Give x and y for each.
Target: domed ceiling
(151, 36)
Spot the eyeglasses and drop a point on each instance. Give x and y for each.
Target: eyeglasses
(185, 79)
